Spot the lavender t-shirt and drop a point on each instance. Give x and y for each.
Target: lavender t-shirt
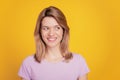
(32, 70)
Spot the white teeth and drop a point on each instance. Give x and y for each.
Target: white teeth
(51, 39)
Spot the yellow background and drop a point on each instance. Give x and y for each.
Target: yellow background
(94, 28)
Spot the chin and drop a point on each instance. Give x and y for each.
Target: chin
(52, 45)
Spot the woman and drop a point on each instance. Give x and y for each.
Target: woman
(53, 60)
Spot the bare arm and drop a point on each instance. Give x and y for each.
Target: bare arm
(22, 79)
(85, 77)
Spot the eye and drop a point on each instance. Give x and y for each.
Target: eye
(45, 28)
(57, 27)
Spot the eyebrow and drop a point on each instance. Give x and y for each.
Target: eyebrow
(53, 26)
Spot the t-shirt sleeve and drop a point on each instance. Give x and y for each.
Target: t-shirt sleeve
(24, 71)
(83, 67)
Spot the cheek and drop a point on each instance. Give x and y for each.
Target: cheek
(43, 34)
(61, 34)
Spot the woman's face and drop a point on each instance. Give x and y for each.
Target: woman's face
(51, 32)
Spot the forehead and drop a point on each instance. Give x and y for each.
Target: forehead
(49, 21)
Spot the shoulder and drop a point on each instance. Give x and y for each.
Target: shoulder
(25, 68)
(29, 59)
(77, 56)
(82, 65)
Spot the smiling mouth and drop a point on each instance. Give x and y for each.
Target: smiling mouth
(51, 39)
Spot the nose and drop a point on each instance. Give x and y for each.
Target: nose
(51, 32)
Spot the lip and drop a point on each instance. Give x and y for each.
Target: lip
(51, 39)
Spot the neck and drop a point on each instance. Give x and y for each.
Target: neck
(53, 53)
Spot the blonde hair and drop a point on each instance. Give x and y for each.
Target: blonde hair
(40, 45)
